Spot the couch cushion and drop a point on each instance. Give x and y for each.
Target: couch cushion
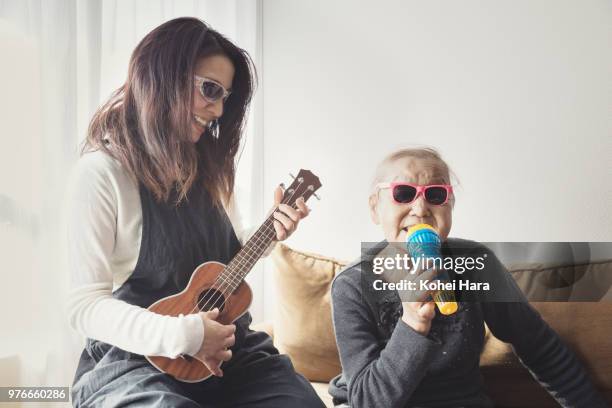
(302, 322)
(321, 390)
(583, 326)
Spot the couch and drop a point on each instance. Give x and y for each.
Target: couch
(302, 328)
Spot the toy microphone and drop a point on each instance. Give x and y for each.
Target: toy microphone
(423, 242)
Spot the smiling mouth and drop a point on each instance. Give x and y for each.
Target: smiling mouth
(200, 121)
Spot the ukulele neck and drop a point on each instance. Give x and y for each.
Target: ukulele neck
(303, 186)
(244, 261)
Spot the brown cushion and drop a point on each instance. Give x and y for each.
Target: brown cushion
(302, 321)
(583, 326)
(303, 328)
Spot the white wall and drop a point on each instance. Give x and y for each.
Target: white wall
(515, 94)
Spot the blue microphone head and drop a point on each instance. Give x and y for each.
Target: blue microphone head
(423, 241)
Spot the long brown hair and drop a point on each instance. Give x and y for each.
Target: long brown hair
(146, 123)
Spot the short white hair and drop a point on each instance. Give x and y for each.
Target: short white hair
(420, 153)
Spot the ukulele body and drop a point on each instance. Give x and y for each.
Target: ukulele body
(205, 291)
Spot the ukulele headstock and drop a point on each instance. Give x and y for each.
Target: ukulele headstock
(305, 184)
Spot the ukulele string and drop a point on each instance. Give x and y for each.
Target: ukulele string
(228, 279)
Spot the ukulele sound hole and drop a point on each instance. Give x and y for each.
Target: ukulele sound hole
(210, 299)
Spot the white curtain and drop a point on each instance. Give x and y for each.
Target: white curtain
(60, 60)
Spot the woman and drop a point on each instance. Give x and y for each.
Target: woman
(151, 199)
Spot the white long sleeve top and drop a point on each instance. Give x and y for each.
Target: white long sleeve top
(103, 234)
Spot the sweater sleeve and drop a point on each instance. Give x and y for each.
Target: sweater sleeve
(537, 345)
(91, 226)
(376, 375)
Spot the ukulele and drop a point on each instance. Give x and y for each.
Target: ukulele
(214, 285)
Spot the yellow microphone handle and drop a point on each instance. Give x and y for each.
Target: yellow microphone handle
(445, 300)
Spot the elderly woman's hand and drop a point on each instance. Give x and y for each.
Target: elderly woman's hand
(286, 218)
(419, 313)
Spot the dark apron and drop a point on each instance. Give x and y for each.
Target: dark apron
(175, 240)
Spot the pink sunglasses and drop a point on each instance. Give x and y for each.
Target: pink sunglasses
(405, 193)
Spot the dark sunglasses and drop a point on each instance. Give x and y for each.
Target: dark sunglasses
(211, 90)
(405, 193)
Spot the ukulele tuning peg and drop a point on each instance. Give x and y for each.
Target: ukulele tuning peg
(311, 188)
(301, 179)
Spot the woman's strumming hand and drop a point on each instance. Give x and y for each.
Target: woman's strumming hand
(218, 338)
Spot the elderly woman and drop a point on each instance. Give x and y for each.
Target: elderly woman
(399, 351)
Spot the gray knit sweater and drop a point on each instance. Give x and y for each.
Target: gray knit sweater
(386, 363)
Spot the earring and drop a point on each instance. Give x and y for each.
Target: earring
(213, 129)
